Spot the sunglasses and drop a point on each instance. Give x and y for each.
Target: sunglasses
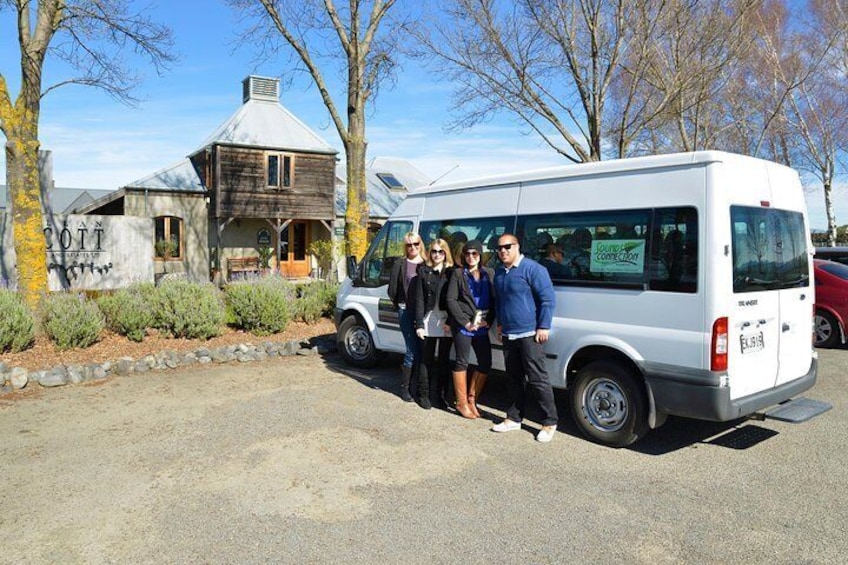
(416, 244)
(505, 247)
(472, 253)
(437, 252)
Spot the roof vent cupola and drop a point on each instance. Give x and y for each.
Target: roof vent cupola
(260, 88)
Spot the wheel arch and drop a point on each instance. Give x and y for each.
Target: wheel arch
(597, 352)
(359, 311)
(840, 322)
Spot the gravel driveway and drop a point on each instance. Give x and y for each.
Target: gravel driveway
(300, 460)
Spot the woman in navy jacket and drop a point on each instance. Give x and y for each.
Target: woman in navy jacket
(431, 324)
(471, 306)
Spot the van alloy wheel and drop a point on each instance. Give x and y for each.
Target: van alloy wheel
(605, 405)
(355, 343)
(609, 404)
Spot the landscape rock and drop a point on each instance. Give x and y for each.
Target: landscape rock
(76, 374)
(100, 372)
(307, 351)
(141, 366)
(54, 377)
(124, 366)
(18, 378)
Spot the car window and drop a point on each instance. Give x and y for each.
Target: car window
(835, 269)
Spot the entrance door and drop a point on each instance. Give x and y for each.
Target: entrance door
(294, 262)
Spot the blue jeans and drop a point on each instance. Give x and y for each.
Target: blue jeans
(413, 344)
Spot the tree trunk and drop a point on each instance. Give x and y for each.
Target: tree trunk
(828, 210)
(356, 215)
(22, 181)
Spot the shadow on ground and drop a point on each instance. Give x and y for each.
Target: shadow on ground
(677, 433)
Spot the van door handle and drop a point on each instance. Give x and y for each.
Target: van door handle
(785, 327)
(803, 297)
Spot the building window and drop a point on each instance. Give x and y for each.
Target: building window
(169, 237)
(280, 168)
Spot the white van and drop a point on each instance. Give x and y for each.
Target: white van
(684, 287)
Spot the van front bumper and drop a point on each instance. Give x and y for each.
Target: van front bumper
(700, 396)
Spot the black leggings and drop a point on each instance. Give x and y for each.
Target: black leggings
(482, 349)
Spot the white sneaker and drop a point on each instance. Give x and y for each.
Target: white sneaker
(507, 426)
(546, 434)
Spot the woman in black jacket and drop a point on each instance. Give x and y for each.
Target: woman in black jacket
(403, 272)
(471, 305)
(431, 324)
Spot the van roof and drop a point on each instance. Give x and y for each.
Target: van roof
(599, 167)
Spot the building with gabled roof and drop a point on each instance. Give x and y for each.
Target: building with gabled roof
(262, 179)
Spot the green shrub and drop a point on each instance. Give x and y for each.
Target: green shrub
(16, 323)
(316, 299)
(128, 311)
(261, 306)
(187, 309)
(71, 320)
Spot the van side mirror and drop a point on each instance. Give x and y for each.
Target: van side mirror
(352, 267)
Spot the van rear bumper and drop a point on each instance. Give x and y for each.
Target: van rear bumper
(706, 400)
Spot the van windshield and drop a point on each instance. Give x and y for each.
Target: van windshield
(769, 249)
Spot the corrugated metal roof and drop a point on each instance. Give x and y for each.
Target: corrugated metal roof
(382, 200)
(263, 123)
(180, 177)
(63, 200)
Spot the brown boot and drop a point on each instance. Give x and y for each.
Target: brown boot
(478, 381)
(460, 387)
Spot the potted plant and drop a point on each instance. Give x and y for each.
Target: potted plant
(265, 254)
(165, 249)
(324, 252)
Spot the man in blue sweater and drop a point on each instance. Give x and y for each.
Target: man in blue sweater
(525, 306)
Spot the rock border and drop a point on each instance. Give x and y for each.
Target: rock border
(18, 378)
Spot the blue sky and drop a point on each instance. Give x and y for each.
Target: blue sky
(100, 143)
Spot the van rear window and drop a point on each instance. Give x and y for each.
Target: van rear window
(769, 249)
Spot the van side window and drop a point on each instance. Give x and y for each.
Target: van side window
(386, 247)
(457, 231)
(674, 250)
(607, 248)
(769, 250)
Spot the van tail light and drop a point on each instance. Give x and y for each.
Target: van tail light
(718, 352)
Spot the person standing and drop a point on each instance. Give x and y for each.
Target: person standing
(403, 271)
(431, 324)
(470, 301)
(525, 306)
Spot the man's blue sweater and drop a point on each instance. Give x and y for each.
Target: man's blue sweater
(524, 298)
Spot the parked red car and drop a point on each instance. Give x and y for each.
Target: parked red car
(831, 302)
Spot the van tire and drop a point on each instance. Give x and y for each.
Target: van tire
(826, 332)
(608, 404)
(356, 344)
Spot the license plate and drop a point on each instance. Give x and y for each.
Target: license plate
(752, 343)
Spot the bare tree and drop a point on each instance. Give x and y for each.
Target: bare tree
(354, 41)
(816, 112)
(549, 63)
(88, 35)
(687, 68)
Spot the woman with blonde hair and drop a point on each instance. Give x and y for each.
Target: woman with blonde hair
(431, 324)
(403, 271)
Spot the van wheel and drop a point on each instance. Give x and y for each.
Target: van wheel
(355, 343)
(608, 404)
(826, 329)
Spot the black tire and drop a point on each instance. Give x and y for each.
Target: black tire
(608, 404)
(826, 329)
(355, 343)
